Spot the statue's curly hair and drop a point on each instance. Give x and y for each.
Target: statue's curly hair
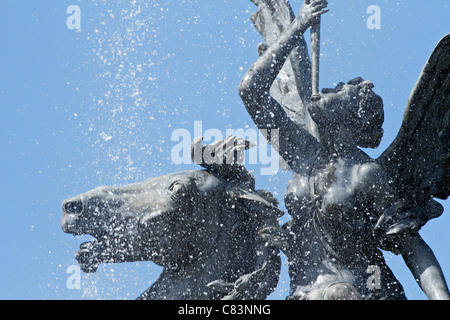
(367, 118)
(370, 115)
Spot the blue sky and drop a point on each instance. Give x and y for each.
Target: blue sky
(79, 109)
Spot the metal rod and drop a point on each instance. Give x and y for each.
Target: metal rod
(315, 54)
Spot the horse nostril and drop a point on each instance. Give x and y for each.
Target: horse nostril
(73, 207)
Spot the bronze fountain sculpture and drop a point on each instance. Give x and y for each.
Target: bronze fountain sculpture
(202, 226)
(344, 205)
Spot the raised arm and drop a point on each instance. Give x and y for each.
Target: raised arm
(254, 89)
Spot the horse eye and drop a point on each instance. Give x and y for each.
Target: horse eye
(340, 86)
(177, 188)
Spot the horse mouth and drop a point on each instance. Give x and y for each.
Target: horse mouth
(90, 256)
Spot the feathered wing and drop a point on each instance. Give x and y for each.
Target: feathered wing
(418, 160)
(292, 89)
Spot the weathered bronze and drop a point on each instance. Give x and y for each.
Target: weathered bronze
(345, 206)
(219, 238)
(202, 226)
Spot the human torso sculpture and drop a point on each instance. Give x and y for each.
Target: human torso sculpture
(344, 205)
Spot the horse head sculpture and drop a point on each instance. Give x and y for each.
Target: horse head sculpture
(202, 226)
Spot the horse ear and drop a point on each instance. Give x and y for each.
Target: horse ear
(260, 203)
(224, 158)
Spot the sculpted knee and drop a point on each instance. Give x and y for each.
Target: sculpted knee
(341, 291)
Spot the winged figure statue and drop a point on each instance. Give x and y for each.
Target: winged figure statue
(346, 207)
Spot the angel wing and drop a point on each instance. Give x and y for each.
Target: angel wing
(418, 160)
(292, 89)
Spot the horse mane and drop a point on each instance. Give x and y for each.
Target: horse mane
(243, 265)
